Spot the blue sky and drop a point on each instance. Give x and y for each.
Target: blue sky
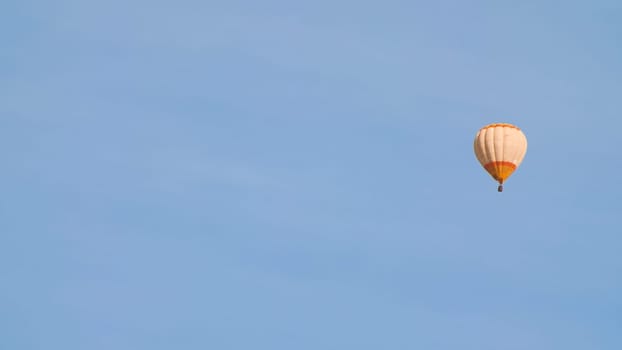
(282, 175)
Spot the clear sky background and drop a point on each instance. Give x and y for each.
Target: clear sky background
(300, 175)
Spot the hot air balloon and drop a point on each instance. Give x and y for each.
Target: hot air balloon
(500, 149)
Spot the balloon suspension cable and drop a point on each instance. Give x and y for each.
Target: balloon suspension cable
(500, 188)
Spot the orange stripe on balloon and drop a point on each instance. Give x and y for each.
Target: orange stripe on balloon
(495, 125)
(500, 170)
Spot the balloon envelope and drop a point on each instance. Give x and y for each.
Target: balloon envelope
(500, 149)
